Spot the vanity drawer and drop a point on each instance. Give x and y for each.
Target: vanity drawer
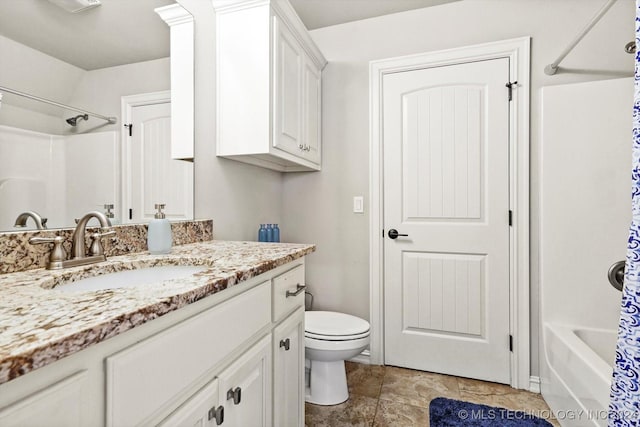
(288, 292)
(148, 376)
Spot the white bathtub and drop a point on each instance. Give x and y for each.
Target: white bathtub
(580, 364)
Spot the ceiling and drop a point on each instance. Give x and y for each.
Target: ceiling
(118, 32)
(126, 31)
(323, 13)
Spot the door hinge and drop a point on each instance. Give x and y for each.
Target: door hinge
(510, 218)
(510, 86)
(511, 343)
(130, 213)
(130, 127)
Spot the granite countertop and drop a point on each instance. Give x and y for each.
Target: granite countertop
(39, 324)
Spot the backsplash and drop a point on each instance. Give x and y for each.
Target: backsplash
(17, 254)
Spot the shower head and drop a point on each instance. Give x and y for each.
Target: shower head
(74, 120)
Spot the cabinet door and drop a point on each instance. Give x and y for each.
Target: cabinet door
(63, 404)
(202, 410)
(288, 371)
(245, 388)
(312, 112)
(287, 94)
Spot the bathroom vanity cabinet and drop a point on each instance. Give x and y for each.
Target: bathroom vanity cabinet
(235, 358)
(269, 83)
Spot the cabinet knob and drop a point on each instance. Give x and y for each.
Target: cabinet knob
(235, 394)
(218, 414)
(286, 344)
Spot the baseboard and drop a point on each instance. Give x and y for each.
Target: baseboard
(534, 384)
(364, 358)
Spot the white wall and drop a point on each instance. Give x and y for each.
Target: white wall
(237, 196)
(28, 70)
(318, 205)
(100, 91)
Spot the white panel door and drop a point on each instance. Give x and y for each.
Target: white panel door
(446, 185)
(154, 176)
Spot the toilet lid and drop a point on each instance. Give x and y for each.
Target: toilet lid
(332, 324)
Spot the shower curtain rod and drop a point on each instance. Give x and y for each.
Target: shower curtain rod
(111, 120)
(552, 68)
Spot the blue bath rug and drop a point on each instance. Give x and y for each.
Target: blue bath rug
(453, 413)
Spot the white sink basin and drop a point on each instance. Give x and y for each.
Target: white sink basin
(131, 278)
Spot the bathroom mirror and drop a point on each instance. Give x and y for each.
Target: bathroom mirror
(111, 61)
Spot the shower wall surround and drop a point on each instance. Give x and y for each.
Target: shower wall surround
(59, 177)
(17, 254)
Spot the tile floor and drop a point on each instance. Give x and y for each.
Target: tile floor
(390, 396)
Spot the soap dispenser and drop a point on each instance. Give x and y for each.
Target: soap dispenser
(159, 234)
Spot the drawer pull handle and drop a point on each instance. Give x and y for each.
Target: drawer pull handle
(235, 394)
(218, 414)
(299, 289)
(286, 344)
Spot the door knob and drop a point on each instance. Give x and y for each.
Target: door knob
(393, 234)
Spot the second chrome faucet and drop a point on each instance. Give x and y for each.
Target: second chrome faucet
(79, 256)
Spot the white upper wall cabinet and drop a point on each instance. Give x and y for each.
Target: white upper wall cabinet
(269, 76)
(181, 26)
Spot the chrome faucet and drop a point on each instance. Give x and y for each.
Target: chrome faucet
(78, 246)
(21, 221)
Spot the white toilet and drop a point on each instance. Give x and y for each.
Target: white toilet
(329, 339)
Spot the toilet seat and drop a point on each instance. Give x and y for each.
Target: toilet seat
(335, 337)
(333, 326)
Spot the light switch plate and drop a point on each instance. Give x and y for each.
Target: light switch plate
(358, 204)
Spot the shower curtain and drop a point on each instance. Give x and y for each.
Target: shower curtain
(624, 409)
